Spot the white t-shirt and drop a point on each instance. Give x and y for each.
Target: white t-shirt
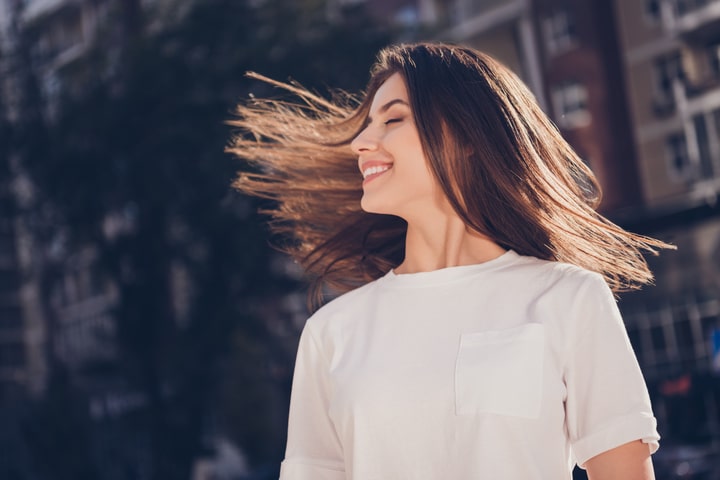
(516, 368)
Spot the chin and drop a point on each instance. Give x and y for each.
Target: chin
(370, 206)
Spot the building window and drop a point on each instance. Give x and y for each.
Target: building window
(667, 70)
(704, 167)
(681, 167)
(653, 10)
(570, 103)
(560, 33)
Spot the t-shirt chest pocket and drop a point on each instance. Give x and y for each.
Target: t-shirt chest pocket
(500, 372)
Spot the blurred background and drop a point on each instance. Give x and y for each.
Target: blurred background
(147, 328)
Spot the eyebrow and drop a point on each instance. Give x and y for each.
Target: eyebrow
(387, 106)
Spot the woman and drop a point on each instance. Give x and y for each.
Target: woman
(479, 338)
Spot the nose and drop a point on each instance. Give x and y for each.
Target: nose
(364, 142)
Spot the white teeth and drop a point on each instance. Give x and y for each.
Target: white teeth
(373, 170)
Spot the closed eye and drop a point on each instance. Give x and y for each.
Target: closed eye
(393, 120)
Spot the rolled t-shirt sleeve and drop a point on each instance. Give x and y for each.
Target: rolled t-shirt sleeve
(314, 451)
(607, 401)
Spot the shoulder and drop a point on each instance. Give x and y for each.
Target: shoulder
(557, 276)
(559, 289)
(341, 309)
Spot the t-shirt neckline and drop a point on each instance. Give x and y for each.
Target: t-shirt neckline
(448, 274)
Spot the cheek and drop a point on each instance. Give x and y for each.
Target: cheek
(404, 136)
(405, 146)
(417, 165)
(411, 166)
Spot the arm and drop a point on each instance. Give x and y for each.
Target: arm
(630, 461)
(607, 406)
(314, 450)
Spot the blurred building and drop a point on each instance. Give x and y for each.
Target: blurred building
(22, 365)
(503, 29)
(41, 39)
(14, 371)
(54, 303)
(57, 33)
(673, 83)
(672, 78)
(672, 56)
(4, 21)
(582, 69)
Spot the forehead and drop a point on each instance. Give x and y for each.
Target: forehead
(391, 89)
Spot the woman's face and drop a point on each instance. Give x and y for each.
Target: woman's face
(396, 176)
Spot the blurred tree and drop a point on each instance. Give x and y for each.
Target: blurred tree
(5, 137)
(133, 166)
(32, 427)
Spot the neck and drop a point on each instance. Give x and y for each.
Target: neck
(445, 242)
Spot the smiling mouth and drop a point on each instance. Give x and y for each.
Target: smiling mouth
(374, 172)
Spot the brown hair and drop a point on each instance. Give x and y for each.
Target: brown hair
(502, 164)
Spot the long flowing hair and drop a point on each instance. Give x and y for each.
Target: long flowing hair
(502, 164)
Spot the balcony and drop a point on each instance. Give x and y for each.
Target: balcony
(694, 20)
(687, 93)
(35, 9)
(701, 86)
